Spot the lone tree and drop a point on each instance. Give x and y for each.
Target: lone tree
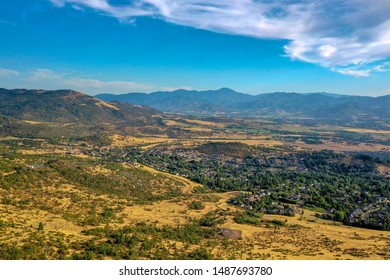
(40, 226)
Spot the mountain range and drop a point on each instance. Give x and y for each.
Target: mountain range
(141, 109)
(328, 107)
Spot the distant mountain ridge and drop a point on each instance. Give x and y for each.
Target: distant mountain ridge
(145, 110)
(182, 101)
(320, 105)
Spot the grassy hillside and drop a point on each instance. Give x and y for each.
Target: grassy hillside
(67, 106)
(69, 114)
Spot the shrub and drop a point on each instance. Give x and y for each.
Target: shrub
(248, 217)
(196, 205)
(40, 226)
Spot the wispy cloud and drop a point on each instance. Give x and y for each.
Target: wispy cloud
(49, 78)
(351, 37)
(383, 67)
(8, 72)
(353, 72)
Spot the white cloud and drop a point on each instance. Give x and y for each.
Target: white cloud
(47, 78)
(8, 72)
(353, 72)
(40, 75)
(327, 50)
(385, 66)
(332, 33)
(105, 86)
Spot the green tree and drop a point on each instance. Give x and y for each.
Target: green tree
(40, 226)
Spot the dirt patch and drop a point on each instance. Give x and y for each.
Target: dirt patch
(231, 233)
(384, 170)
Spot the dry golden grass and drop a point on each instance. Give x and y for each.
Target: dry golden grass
(296, 128)
(341, 146)
(206, 123)
(100, 170)
(120, 140)
(34, 122)
(40, 152)
(174, 212)
(25, 221)
(362, 130)
(303, 237)
(263, 141)
(199, 129)
(149, 142)
(384, 170)
(106, 104)
(311, 238)
(175, 123)
(7, 173)
(9, 138)
(50, 151)
(189, 185)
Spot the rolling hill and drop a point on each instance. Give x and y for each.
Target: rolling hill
(61, 114)
(68, 106)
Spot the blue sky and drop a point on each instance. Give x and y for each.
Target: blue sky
(252, 46)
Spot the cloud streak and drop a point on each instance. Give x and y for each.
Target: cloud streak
(8, 72)
(351, 37)
(49, 78)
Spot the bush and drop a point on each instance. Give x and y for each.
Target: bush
(211, 219)
(40, 226)
(277, 222)
(196, 205)
(200, 254)
(248, 217)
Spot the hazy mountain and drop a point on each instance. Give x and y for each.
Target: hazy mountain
(320, 105)
(67, 106)
(183, 101)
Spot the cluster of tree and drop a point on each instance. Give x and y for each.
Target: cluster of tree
(129, 242)
(134, 242)
(337, 183)
(129, 183)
